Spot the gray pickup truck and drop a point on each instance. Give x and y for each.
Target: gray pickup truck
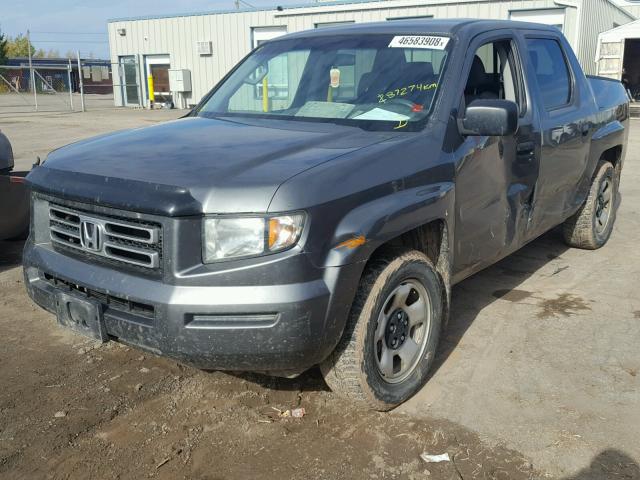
(319, 203)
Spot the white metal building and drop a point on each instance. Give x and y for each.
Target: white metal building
(618, 56)
(632, 6)
(209, 44)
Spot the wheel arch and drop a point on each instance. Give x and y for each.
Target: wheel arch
(613, 155)
(432, 239)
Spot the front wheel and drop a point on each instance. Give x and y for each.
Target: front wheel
(391, 336)
(591, 226)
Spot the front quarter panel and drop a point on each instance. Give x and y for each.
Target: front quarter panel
(358, 202)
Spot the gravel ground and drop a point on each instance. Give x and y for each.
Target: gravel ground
(537, 377)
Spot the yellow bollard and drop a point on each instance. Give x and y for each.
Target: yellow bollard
(265, 95)
(330, 94)
(152, 97)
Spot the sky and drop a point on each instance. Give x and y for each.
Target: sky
(70, 25)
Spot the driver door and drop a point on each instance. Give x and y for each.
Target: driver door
(496, 176)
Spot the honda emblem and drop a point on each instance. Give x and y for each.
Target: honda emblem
(91, 236)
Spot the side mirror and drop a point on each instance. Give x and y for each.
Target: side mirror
(6, 154)
(490, 118)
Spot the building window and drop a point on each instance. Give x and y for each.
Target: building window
(260, 35)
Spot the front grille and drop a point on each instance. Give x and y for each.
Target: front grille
(126, 241)
(109, 301)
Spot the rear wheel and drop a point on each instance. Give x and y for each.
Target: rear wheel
(591, 226)
(392, 332)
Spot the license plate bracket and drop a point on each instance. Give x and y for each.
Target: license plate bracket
(81, 315)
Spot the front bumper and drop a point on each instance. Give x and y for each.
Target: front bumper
(284, 327)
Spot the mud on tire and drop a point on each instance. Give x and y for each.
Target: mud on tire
(591, 226)
(388, 303)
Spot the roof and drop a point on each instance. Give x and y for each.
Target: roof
(246, 10)
(414, 26)
(275, 8)
(53, 61)
(628, 30)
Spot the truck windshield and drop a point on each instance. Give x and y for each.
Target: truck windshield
(380, 82)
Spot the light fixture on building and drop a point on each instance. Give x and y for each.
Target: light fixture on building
(122, 31)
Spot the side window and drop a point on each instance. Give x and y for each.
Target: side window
(493, 74)
(551, 71)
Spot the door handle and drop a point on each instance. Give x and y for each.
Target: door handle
(525, 148)
(525, 151)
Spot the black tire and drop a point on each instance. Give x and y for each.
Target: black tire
(352, 369)
(585, 229)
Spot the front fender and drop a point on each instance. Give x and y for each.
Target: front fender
(365, 228)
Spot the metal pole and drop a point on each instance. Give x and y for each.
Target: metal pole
(140, 76)
(80, 75)
(70, 85)
(33, 77)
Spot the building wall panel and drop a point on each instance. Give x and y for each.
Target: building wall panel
(230, 32)
(597, 16)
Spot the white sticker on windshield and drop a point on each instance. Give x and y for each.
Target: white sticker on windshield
(381, 114)
(419, 41)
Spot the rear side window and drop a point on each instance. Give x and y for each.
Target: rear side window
(551, 70)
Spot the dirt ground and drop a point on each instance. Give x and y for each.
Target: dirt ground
(74, 408)
(528, 384)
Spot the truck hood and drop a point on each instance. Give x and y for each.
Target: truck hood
(195, 165)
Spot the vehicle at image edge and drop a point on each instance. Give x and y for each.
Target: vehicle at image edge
(14, 195)
(319, 203)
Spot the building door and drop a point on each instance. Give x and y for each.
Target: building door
(630, 75)
(157, 66)
(610, 60)
(130, 88)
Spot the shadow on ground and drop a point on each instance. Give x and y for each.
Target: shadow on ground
(500, 281)
(309, 381)
(10, 254)
(469, 298)
(607, 464)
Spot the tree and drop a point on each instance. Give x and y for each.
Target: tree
(19, 47)
(3, 48)
(40, 53)
(53, 53)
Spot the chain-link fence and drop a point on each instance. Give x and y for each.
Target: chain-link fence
(66, 85)
(45, 88)
(98, 82)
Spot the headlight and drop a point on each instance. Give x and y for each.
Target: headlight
(226, 238)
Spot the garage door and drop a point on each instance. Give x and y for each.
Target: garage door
(550, 16)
